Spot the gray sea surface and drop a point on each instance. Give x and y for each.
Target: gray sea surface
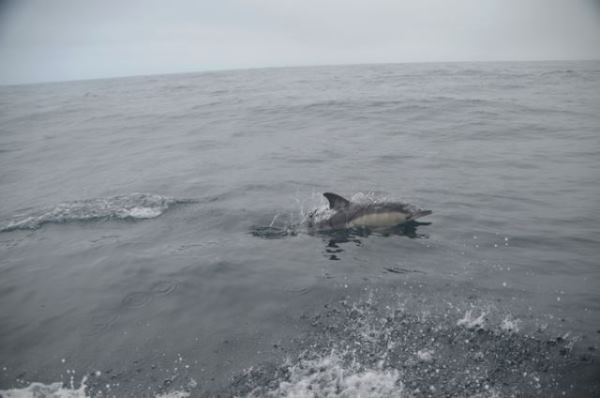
(153, 239)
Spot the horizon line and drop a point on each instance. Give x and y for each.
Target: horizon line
(234, 69)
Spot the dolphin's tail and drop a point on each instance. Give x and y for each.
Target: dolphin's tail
(421, 213)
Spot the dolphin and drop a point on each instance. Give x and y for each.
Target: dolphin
(344, 214)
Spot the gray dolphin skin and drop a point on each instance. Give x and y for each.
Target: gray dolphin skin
(371, 215)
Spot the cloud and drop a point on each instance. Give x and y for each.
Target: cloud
(72, 39)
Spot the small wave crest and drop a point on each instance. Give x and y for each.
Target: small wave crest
(136, 206)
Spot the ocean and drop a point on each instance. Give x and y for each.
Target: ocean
(154, 244)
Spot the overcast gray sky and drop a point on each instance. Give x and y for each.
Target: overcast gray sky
(49, 40)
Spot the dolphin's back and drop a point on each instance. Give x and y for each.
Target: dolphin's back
(372, 215)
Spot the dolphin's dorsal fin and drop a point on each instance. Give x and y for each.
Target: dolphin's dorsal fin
(336, 201)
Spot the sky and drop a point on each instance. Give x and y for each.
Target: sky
(56, 40)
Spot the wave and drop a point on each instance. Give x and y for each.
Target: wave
(372, 348)
(136, 206)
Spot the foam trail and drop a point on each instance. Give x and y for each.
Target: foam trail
(53, 390)
(136, 206)
(174, 394)
(58, 390)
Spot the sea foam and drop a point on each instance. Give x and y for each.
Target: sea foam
(328, 376)
(134, 206)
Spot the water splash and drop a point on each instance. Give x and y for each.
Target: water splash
(510, 324)
(470, 321)
(328, 376)
(373, 348)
